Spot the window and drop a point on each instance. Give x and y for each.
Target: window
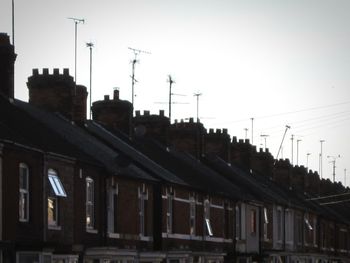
(238, 222)
(112, 207)
(299, 231)
(266, 222)
(253, 221)
(143, 196)
(226, 221)
(56, 184)
(90, 203)
(52, 213)
(289, 225)
(23, 193)
(192, 216)
(169, 214)
(52, 200)
(279, 224)
(207, 217)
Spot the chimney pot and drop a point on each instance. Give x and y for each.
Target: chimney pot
(146, 112)
(191, 120)
(137, 113)
(211, 130)
(45, 71)
(66, 71)
(224, 131)
(234, 139)
(161, 113)
(106, 97)
(35, 72)
(218, 131)
(116, 94)
(56, 71)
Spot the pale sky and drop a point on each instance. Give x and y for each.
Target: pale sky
(281, 62)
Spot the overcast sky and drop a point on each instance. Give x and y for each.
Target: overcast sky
(279, 62)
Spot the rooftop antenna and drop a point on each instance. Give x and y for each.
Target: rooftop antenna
(76, 22)
(197, 95)
(279, 149)
(171, 82)
(133, 62)
(265, 137)
(345, 177)
(246, 133)
(13, 22)
(307, 160)
(90, 45)
(334, 159)
(321, 159)
(298, 140)
(292, 139)
(252, 119)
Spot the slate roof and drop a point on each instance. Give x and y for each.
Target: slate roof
(131, 153)
(54, 133)
(191, 170)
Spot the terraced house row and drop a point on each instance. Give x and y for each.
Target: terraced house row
(124, 188)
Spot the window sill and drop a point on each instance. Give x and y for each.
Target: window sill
(52, 227)
(91, 231)
(113, 235)
(23, 220)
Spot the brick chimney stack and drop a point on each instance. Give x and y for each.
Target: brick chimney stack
(58, 93)
(152, 126)
(115, 113)
(188, 137)
(218, 143)
(241, 153)
(7, 66)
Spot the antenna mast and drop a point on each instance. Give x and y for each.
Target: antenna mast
(76, 22)
(171, 82)
(197, 95)
(284, 135)
(90, 45)
(133, 80)
(334, 159)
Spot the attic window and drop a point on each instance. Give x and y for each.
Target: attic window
(308, 224)
(207, 223)
(56, 184)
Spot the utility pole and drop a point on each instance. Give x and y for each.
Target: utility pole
(90, 45)
(279, 149)
(133, 80)
(334, 159)
(171, 82)
(76, 22)
(298, 151)
(264, 136)
(321, 159)
(197, 95)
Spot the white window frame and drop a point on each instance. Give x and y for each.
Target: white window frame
(192, 216)
(266, 222)
(23, 209)
(206, 204)
(279, 217)
(90, 203)
(143, 196)
(170, 211)
(56, 183)
(238, 220)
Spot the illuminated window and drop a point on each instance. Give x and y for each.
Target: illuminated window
(90, 203)
(52, 213)
(23, 193)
